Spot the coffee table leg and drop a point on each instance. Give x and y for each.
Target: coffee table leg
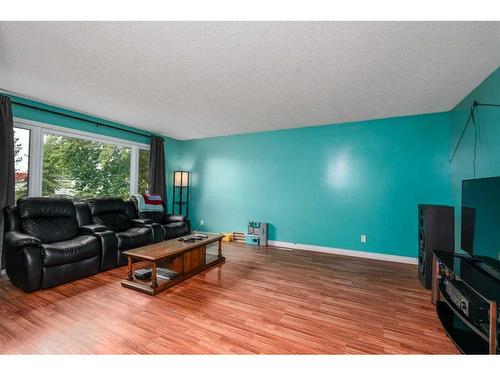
(219, 253)
(154, 281)
(130, 275)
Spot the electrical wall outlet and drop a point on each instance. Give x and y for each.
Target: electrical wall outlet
(363, 238)
(201, 222)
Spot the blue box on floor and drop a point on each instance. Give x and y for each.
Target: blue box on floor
(252, 239)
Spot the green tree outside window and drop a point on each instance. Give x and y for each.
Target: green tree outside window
(85, 168)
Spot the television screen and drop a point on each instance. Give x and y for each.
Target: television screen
(480, 234)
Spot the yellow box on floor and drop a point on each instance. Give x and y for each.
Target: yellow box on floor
(228, 237)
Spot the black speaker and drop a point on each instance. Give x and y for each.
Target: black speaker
(436, 231)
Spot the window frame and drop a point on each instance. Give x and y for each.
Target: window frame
(35, 161)
(138, 167)
(30, 152)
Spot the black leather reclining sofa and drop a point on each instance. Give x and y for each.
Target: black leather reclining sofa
(52, 241)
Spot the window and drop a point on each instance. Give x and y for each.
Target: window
(21, 160)
(53, 161)
(84, 169)
(143, 171)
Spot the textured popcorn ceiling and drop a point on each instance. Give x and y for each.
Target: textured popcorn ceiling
(200, 79)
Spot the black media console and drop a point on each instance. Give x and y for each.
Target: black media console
(466, 297)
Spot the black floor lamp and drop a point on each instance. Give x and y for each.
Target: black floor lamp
(180, 196)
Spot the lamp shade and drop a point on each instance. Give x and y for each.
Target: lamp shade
(181, 178)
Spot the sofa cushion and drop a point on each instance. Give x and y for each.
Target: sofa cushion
(134, 237)
(110, 212)
(176, 229)
(64, 273)
(76, 249)
(105, 205)
(155, 217)
(45, 207)
(52, 229)
(49, 219)
(116, 221)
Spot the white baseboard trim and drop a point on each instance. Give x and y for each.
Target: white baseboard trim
(351, 253)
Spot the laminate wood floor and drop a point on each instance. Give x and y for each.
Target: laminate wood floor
(261, 300)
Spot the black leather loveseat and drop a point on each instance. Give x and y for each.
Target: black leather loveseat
(51, 241)
(174, 226)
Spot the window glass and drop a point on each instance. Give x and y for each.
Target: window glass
(84, 168)
(21, 159)
(143, 171)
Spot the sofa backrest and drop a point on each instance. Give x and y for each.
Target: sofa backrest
(12, 220)
(156, 217)
(110, 212)
(131, 210)
(83, 215)
(49, 219)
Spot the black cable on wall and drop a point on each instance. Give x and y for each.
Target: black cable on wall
(473, 107)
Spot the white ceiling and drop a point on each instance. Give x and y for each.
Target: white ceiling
(200, 79)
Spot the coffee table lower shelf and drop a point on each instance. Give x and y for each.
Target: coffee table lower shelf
(145, 285)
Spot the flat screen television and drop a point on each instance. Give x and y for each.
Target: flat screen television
(480, 232)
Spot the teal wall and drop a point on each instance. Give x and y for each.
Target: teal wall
(488, 142)
(325, 185)
(171, 145)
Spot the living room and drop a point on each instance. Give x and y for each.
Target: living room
(250, 187)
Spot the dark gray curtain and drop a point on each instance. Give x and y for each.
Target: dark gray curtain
(156, 179)
(7, 184)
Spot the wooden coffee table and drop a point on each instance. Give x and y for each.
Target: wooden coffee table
(185, 258)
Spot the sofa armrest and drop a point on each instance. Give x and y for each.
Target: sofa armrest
(175, 218)
(141, 222)
(24, 264)
(92, 228)
(15, 239)
(158, 232)
(109, 249)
